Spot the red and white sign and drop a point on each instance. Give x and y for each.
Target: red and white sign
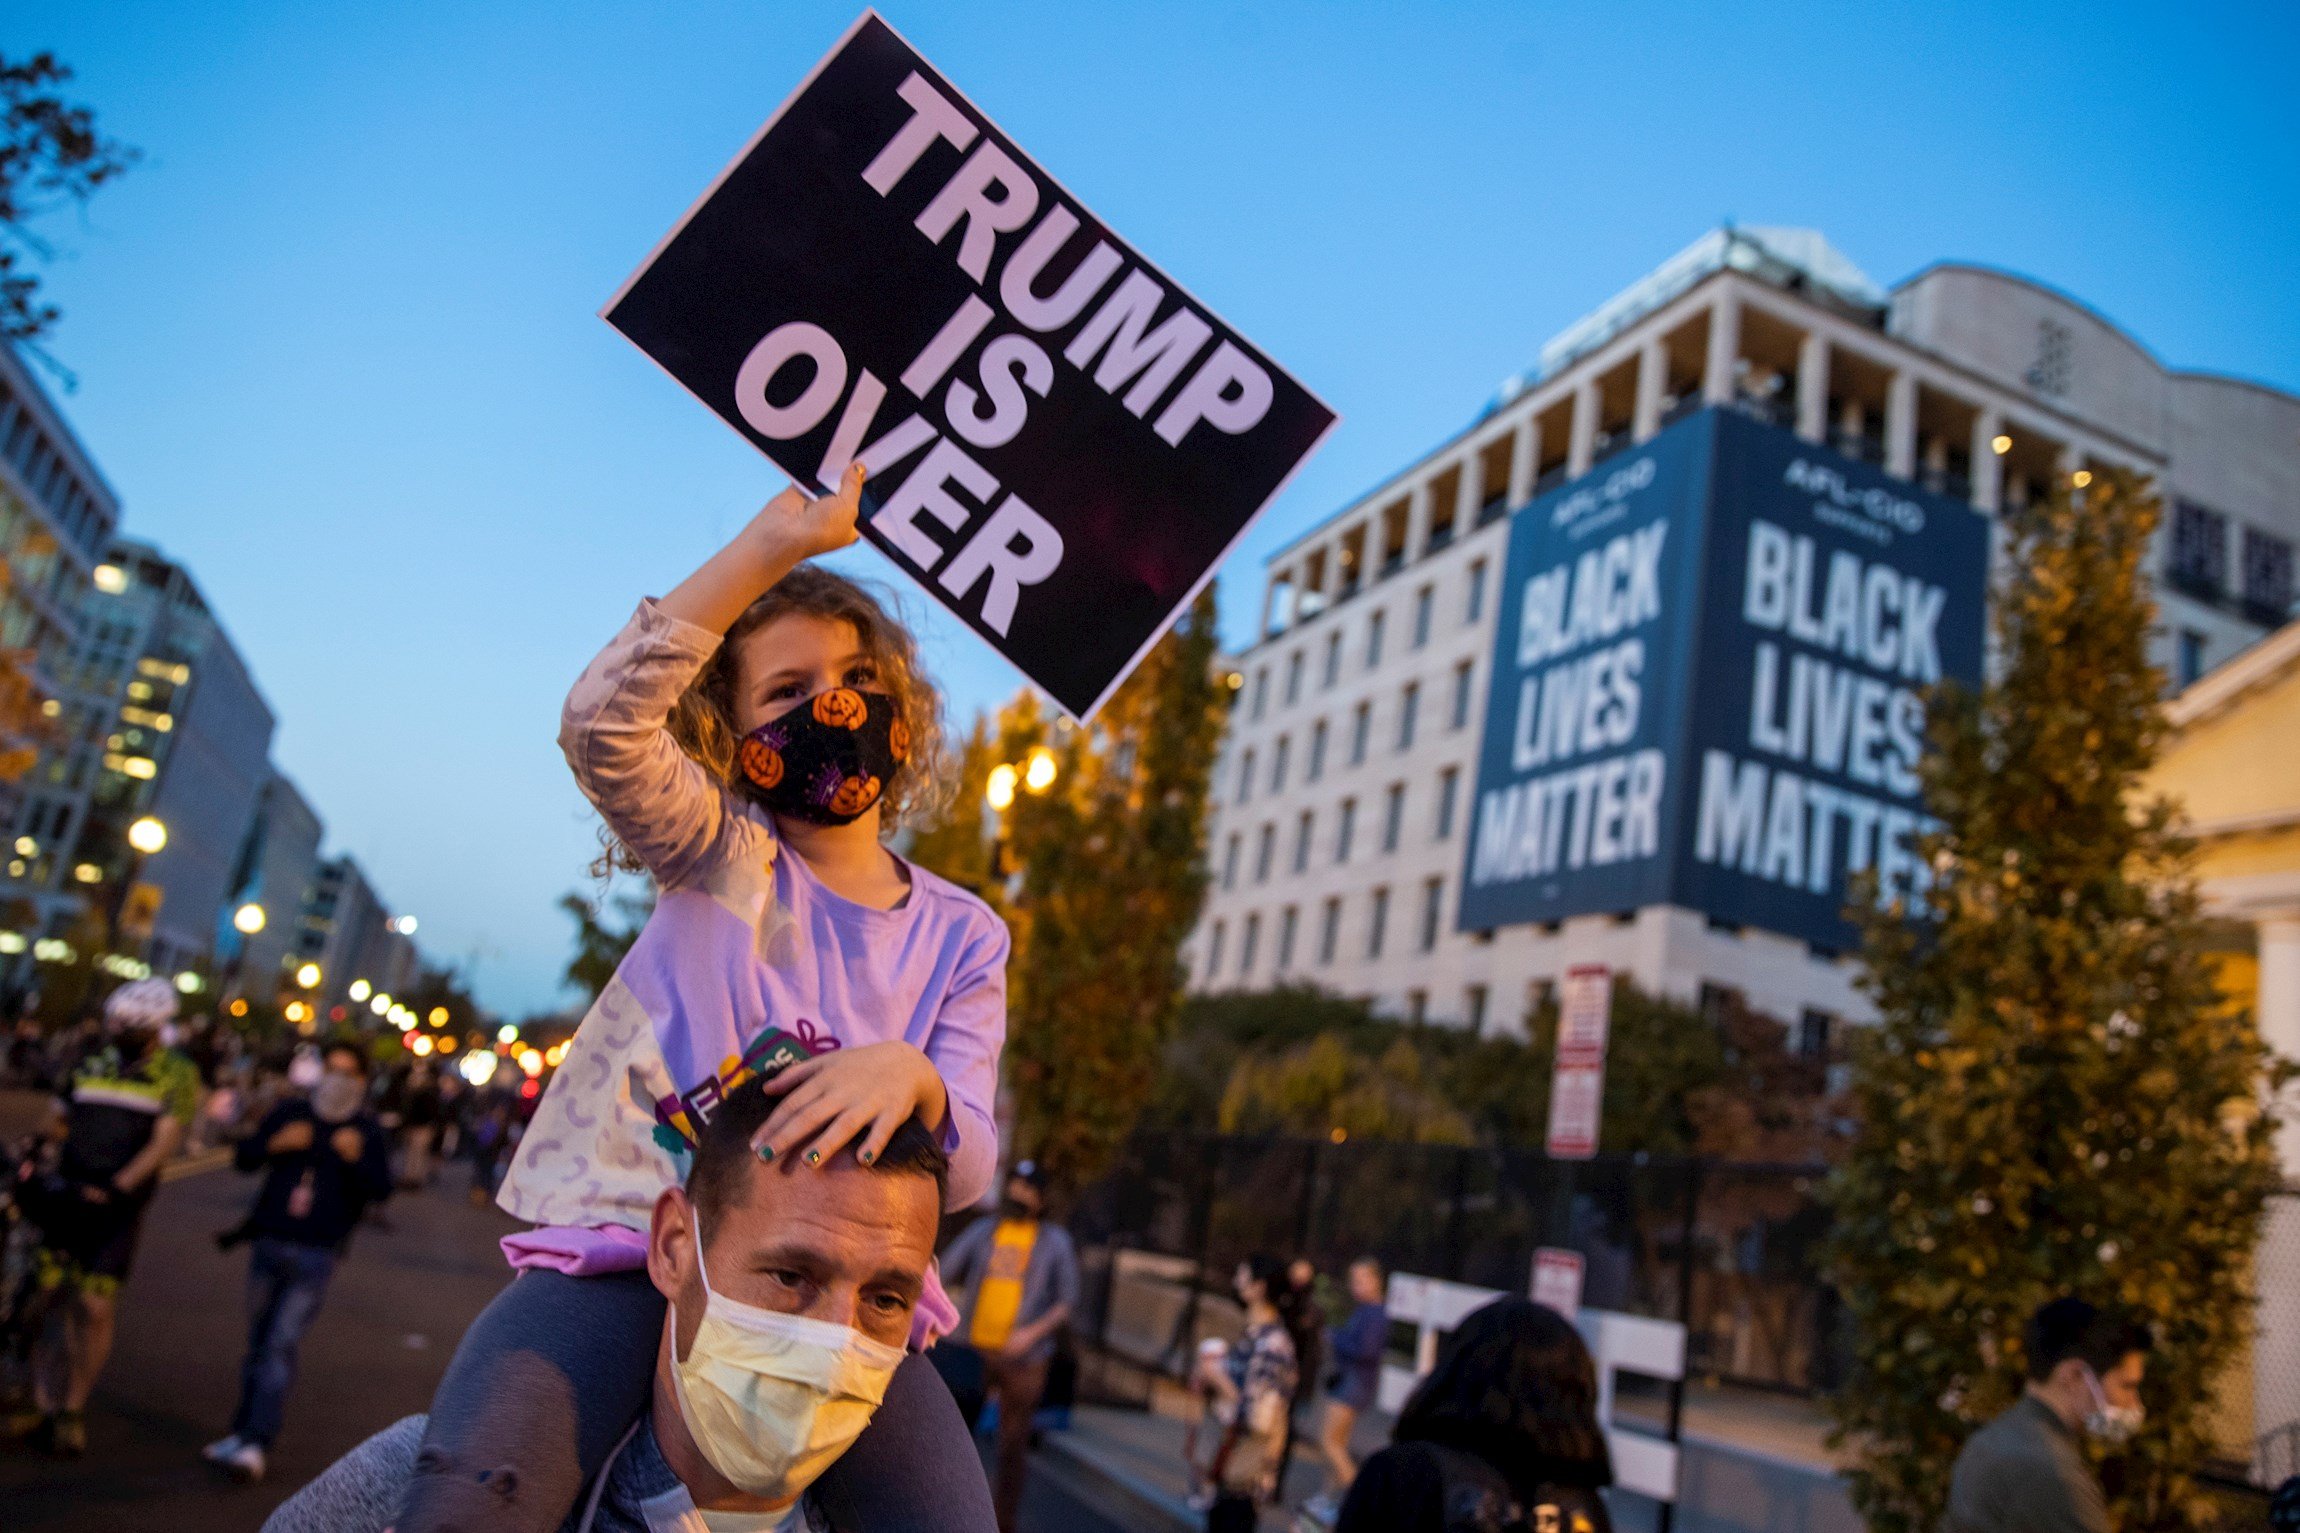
(1557, 1280)
(1577, 1083)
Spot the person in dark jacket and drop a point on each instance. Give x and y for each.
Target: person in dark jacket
(1358, 1344)
(324, 1159)
(1502, 1437)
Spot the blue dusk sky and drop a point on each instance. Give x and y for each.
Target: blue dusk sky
(338, 351)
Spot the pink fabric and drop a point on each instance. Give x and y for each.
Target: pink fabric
(613, 1248)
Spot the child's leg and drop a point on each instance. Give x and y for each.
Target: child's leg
(914, 1469)
(542, 1386)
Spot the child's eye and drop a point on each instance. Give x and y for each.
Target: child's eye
(862, 675)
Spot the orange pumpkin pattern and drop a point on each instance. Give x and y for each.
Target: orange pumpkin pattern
(898, 741)
(761, 763)
(841, 708)
(854, 795)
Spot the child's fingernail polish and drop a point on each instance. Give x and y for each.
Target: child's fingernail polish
(814, 1157)
(865, 1157)
(766, 1152)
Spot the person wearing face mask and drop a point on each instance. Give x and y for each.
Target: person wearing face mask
(2024, 1471)
(790, 1294)
(1015, 1278)
(324, 1159)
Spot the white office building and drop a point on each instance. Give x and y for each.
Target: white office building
(1345, 784)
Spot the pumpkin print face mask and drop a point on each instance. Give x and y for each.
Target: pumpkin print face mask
(827, 760)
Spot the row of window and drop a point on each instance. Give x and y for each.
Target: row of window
(1361, 733)
(2264, 584)
(1374, 935)
(1345, 831)
(1377, 623)
(47, 474)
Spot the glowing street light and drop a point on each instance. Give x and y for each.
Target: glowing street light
(1038, 775)
(308, 975)
(477, 1066)
(999, 792)
(507, 1033)
(147, 835)
(438, 1017)
(531, 1061)
(405, 926)
(2000, 444)
(360, 990)
(248, 919)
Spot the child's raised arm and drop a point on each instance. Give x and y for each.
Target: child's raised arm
(658, 802)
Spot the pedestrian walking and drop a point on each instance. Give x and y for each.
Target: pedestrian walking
(324, 1158)
(419, 1118)
(1252, 1388)
(1306, 1327)
(1015, 1277)
(1502, 1434)
(126, 1107)
(2024, 1470)
(748, 740)
(1357, 1347)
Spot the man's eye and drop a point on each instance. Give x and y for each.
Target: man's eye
(789, 1277)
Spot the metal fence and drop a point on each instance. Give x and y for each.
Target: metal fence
(1729, 1250)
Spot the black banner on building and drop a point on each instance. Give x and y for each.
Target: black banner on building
(1062, 443)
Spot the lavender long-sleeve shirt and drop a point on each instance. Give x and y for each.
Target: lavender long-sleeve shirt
(742, 940)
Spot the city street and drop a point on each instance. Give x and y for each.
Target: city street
(391, 1319)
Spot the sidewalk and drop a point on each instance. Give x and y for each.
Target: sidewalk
(1752, 1463)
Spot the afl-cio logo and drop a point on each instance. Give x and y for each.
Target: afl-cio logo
(1876, 503)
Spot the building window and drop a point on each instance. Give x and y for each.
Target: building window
(1246, 776)
(1813, 1033)
(1417, 1007)
(1409, 705)
(1422, 600)
(1304, 830)
(1348, 829)
(1717, 1003)
(2189, 663)
(1230, 862)
(1261, 692)
(1393, 816)
(1538, 997)
(2199, 550)
(2267, 577)
(1374, 639)
(1473, 1009)
(1287, 920)
(1278, 763)
(1293, 678)
(1252, 940)
(1461, 679)
(1376, 927)
(1449, 784)
(1264, 846)
(1361, 722)
(1214, 951)
(1333, 658)
(1329, 931)
(1474, 608)
(1433, 906)
(1317, 752)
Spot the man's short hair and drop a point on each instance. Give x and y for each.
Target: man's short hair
(723, 1157)
(2065, 1328)
(346, 1046)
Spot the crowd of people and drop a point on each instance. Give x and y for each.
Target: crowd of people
(330, 1135)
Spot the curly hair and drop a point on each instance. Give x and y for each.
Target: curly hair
(703, 722)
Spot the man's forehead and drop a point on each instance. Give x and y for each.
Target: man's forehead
(835, 1206)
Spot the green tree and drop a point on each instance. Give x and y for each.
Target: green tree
(598, 946)
(1324, 1086)
(2055, 1099)
(51, 153)
(1111, 876)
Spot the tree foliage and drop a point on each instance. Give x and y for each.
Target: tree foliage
(1109, 876)
(1326, 1087)
(599, 947)
(2056, 1101)
(51, 153)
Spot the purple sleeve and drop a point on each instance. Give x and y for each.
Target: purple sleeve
(969, 1031)
(577, 1252)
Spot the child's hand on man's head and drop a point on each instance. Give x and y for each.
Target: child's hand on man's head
(856, 1096)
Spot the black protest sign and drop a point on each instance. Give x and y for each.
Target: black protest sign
(1061, 443)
